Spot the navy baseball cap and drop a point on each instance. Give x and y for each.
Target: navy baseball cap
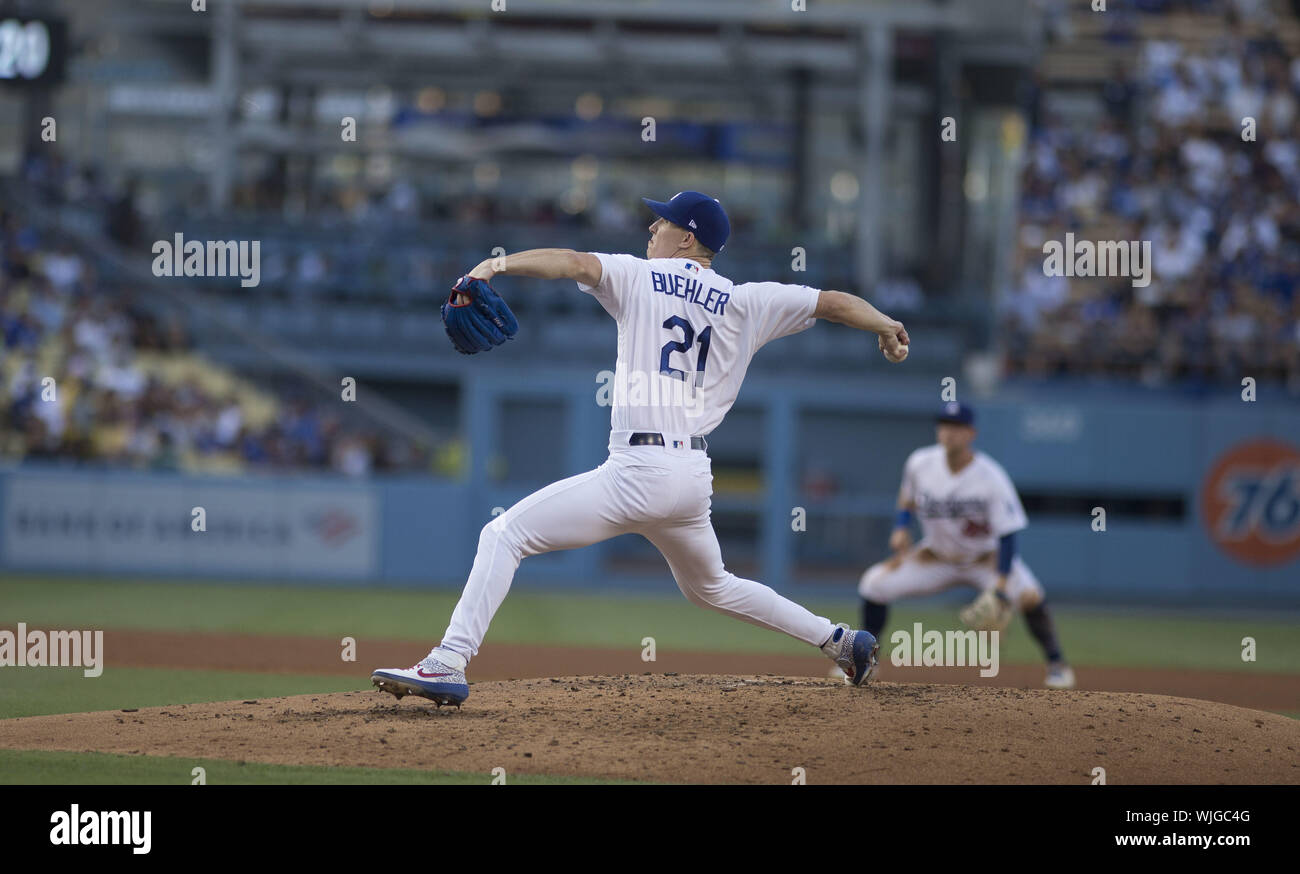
(954, 413)
(698, 213)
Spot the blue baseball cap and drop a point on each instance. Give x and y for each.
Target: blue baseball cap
(954, 413)
(698, 213)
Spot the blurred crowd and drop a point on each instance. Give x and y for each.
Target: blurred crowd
(1171, 161)
(89, 377)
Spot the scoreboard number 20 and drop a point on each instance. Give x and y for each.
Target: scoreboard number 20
(24, 49)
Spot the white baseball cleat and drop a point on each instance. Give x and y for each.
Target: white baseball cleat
(1059, 676)
(854, 653)
(440, 677)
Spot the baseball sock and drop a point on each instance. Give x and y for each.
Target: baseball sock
(873, 617)
(1044, 631)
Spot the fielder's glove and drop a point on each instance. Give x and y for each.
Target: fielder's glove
(481, 322)
(991, 611)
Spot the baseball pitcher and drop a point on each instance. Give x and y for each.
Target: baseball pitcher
(686, 335)
(969, 513)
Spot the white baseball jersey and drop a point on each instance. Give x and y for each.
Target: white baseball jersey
(686, 336)
(962, 515)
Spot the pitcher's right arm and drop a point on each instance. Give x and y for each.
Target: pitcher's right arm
(853, 311)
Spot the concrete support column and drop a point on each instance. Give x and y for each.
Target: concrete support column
(875, 88)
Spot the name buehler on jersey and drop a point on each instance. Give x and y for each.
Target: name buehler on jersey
(690, 333)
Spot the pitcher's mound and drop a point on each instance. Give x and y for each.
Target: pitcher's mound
(718, 729)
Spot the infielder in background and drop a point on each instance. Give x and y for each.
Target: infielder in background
(969, 513)
(686, 335)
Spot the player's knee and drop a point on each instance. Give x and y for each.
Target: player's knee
(869, 586)
(498, 533)
(694, 593)
(694, 596)
(1030, 600)
(709, 592)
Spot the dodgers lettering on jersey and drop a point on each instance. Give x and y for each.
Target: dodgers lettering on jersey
(686, 336)
(962, 515)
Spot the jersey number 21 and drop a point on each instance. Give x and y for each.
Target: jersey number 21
(684, 345)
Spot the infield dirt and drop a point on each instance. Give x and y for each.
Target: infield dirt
(718, 729)
(1256, 689)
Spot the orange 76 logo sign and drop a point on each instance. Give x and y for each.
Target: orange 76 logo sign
(1250, 502)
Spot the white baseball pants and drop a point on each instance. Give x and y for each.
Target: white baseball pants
(658, 492)
(916, 575)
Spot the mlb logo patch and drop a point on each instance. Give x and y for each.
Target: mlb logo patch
(678, 444)
(692, 266)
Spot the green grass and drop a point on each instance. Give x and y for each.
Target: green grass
(555, 618)
(89, 769)
(1163, 640)
(1089, 637)
(38, 691)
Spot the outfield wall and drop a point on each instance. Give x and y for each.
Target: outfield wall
(1202, 498)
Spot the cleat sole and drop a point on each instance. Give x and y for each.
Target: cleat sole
(399, 689)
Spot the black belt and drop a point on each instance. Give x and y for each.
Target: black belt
(648, 438)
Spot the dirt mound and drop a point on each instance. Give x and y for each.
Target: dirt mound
(718, 729)
(1258, 690)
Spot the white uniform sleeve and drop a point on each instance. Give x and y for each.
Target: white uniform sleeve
(778, 310)
(907, 491)
(617, 276)
(1006, 514)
